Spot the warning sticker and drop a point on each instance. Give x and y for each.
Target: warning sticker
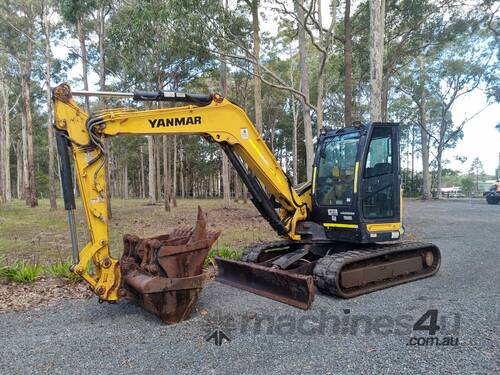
(244, 133)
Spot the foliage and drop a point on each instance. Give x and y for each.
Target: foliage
(476, 168)
(476, 171)
(411, 183)
(467, 185)
(223, 252)
(21, 271)
(61, 269)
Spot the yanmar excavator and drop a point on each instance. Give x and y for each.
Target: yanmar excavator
(342, 231)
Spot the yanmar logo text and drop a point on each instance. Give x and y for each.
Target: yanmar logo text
(175, 121)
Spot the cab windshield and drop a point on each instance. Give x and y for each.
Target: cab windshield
(335, 171)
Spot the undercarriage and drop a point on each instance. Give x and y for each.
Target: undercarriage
(289, 271)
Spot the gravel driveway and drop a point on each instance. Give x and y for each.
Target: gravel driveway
(370, 334)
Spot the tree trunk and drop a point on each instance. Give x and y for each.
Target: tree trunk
(166, 185)
(304, 87)
(426, 181)
(412, 159)
(257, 90)
(50, 129)
(295, 118)
(377, 25)
(347, 65)
(439, 154)
(225, 162)
(19, 170)
(143, 183)
(101, 35)
(424, 136)
(225, 182)
(439, 171)
(245, 194)
(237, 187)
(385, 95)
(151, 170)
(125, 179)
(181, 170)
(294, 152)
(158, 167)
(319, 104)
(24, 157)
(320, 88)
(30, 183)
(83, 50)
(174, 173)
(5, 140)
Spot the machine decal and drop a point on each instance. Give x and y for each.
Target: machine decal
(175, 121)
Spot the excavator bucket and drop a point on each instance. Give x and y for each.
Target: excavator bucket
(164, 274)
(292, 288)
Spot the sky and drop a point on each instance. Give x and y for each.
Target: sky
(481, 139)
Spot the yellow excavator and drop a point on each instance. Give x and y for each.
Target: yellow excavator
(342, 232)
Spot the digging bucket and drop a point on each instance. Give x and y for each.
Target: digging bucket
(164, 274)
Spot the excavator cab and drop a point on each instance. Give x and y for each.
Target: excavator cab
(356, 184)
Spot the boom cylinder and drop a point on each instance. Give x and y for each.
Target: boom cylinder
(151, 96)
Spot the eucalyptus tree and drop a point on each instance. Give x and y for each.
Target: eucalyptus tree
(77, 13)
(147, 54)
(19, 38)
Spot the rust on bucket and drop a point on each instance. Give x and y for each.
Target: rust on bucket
(164, 274)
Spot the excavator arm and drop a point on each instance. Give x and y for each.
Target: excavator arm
(211, 116)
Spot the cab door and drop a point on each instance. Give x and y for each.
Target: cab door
(380, 188)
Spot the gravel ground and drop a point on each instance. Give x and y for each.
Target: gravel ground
(81, 336)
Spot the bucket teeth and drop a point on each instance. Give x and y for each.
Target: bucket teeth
(164, 274)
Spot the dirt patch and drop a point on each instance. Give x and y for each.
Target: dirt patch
(48, 291)
(43, 292)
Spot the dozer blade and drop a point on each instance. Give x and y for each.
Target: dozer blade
(283, 286)
(164, 274)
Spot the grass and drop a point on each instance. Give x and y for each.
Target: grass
(223, 252)
(21, 271)
(61, 269)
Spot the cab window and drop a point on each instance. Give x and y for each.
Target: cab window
(379, 160)
(379, 198)
(336, 166)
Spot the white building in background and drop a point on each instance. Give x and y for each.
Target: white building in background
(452, 192)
